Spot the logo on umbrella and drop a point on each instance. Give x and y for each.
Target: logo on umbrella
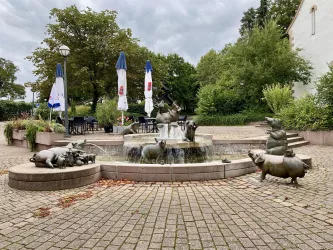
(149, 86)
(121, 90)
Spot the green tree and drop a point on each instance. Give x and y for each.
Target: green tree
(248, 21)
(258, 59)
(181, 80)
(95, 41)
(8, 86)
(263, 13)
(283, 11)
(253, 17)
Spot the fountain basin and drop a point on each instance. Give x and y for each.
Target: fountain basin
(176, 150)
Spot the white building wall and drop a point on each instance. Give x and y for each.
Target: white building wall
(317, 48)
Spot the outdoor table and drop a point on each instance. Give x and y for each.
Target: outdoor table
(151, 121)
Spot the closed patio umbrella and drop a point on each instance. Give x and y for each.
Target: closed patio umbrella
(148, 89)
(122, 84)
(60, 88)
(56, 99)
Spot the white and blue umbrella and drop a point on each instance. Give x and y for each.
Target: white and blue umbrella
(122, 84)
(57, 92)
(148, 89)
(60, 88)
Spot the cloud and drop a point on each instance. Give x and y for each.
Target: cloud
(187, 27)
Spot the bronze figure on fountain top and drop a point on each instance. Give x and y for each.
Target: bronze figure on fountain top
(170, 116)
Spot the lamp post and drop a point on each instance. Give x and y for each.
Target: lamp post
(64, 51)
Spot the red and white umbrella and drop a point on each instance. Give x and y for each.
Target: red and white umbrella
(148, 89)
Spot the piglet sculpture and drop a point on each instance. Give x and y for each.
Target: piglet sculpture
(279, 166)
(153, 152)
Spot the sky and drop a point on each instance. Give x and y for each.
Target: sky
(189, 28)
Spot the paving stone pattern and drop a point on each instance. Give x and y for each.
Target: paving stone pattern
(236, 213)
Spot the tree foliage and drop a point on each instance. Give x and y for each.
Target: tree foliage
(282, 11)
(258, 59)
(8, 87)
(95, 41)
(277, 96)
(181, 80)
(248, 21)
(324, 88)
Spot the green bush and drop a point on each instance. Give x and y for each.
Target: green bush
(277, 96)
(325, 89)
(107, 112)
(214, 100)
(43, 112)
(230, 120)
(8, 132)
(10, 109)
(80, 110)
(138, 108)
(306, 114)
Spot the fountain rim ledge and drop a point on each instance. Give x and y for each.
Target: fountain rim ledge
(28, 177)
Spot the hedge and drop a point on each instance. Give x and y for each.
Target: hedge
(10, 109)
(230, 120)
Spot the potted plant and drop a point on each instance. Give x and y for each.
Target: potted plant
(106, 114)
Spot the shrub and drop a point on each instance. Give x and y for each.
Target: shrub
(277, 96)
(8, 132)
(306, 114)
(107, 112)
(325, 88)
(138, 108)
(10, 109)
(230, 120)
(43, 112)
(214, 99)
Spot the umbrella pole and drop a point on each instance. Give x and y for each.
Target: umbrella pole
(122, 117)
(50, 113)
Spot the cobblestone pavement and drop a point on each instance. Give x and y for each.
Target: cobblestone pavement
(237, 213)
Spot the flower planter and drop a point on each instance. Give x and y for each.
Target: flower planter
(108, 129)
(46, 138)
(118, 129)
(19, 139)
(19, 134)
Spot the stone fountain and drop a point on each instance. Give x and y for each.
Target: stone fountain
(181, 145)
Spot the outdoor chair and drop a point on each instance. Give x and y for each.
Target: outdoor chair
(79, 125)
(142, 124)
(92, 124)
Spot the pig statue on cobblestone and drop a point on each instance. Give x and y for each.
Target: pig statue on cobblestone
(279, 166)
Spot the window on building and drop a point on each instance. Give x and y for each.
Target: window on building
(313, 19)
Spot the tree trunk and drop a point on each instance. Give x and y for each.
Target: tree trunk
(95, 98)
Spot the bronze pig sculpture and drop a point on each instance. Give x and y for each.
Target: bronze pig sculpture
(279, 166)
(277, 143)
(153, 152)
